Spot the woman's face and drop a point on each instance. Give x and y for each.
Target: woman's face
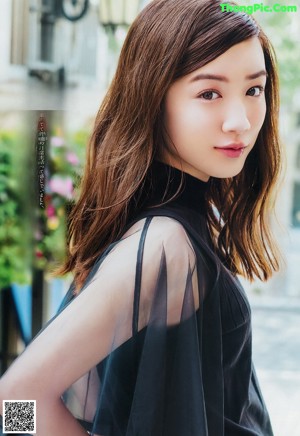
(219, 105)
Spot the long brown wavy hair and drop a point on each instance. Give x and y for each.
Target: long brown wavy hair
(169, 39)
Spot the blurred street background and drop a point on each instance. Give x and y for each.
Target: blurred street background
(57, 58)
(276, 354)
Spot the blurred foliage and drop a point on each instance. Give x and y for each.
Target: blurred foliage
(31, 236)
(65, 161)
(283, 29)
(14, 261)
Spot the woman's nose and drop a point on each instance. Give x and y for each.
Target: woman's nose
(236, 119)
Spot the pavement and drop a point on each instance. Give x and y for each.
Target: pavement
(276, 355)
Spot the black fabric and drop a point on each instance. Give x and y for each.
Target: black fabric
(180, 363)
(195, 377)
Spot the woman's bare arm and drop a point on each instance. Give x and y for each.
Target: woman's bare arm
(82, 335)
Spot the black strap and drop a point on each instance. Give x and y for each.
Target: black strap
(138, 277)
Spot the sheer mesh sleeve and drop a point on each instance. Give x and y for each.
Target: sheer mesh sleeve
(125, 354)
(149, 382)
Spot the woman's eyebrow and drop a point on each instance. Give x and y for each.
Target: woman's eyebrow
(256, 75)
(225, 79)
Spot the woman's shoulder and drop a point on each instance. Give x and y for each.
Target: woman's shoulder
(159, 226)
(143, 246)
(161, 232)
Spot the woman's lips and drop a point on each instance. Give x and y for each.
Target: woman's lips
(232, 150)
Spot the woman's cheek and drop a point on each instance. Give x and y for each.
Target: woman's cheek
(195, 118)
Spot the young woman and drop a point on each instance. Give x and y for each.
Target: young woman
(154, 335)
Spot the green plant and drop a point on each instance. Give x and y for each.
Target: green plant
(14, 265)
(31, 236)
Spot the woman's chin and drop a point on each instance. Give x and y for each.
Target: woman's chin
(227, 173)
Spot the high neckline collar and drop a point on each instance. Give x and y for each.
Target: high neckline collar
(164, 182)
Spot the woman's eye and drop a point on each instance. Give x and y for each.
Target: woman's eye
(255, 91)
(209, 95)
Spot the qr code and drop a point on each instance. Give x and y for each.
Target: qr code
(19, 417)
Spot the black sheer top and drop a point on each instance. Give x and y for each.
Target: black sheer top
(186, 368)
(179, 362)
